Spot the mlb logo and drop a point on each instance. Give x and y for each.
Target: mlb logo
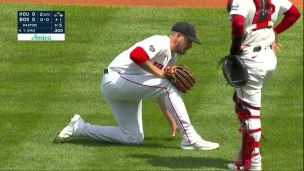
(151, 48)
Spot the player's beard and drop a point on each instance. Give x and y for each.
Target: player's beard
(180, 50)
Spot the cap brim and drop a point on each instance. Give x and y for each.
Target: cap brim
(194, 39)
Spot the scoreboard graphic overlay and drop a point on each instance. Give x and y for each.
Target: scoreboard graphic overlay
(41, 25)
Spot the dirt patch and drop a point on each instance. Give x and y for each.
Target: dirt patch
(156, 3)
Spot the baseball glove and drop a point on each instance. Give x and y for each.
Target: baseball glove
(234, 71)
(181, 77)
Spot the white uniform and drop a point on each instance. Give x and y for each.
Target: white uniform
(127, 84)
(260, 61)
(260, 64)
(158, 49)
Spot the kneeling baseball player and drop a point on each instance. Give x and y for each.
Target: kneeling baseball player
(145, 70)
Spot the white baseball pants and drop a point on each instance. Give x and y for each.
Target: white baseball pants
(261, 66)
(124, 94)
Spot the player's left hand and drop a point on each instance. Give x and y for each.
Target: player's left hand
(234, 70)
(244, 46)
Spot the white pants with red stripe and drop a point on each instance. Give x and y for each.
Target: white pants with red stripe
(261, 66)
(124, 94)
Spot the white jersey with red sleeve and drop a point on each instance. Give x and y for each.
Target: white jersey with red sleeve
(259, 23)
(157, 48)
(279, 7)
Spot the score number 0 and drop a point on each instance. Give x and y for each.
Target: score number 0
(27, 14)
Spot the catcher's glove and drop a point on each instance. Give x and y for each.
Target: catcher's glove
(181, 77)
(234, 71)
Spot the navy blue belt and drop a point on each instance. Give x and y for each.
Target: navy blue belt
(259, 48)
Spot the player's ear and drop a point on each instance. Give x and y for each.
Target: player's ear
(179, 35)
(176, 36)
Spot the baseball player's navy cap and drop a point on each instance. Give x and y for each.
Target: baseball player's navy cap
(186, 29)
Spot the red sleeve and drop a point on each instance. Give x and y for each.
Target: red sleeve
(237, 25)
(139, 55)
(237, 30)
(290, 17)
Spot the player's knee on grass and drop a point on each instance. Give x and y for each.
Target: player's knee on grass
(135, 139)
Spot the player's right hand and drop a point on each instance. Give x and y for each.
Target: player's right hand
(173, 129)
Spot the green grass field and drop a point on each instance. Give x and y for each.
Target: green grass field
(43, 84)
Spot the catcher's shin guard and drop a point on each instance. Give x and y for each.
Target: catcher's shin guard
(251, 134)
(250, 149)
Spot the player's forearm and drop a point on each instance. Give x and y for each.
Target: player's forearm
(163, 108)
(161, 104)
(237, 31)
(167, 114)
(149, 67)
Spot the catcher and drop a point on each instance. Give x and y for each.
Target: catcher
(251, 64)
(145, 70)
